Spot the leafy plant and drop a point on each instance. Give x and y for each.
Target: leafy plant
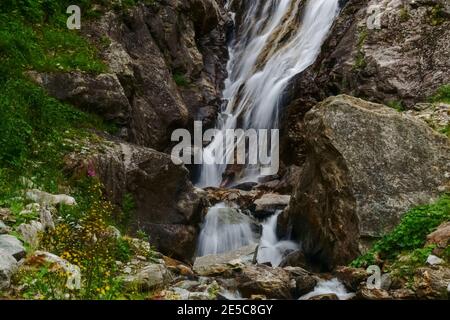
(410, 234)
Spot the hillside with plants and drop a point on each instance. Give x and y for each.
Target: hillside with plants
(93, 205)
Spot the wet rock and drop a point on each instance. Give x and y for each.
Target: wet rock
(294, 259)
(274, 283)
(352, 278)
(224, 264)
(270, 203)
(366, 166)
(8, 266)
(12, 246)
(328, 296)
(304, 280)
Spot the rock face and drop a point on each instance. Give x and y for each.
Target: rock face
(165, 68)
(366, 165)
(402, 59)
(273, 283)
(167, 207)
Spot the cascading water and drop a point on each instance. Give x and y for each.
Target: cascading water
(270, 248)
(225, 229)
(276, 40)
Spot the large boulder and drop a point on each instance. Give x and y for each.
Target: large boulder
(401, 60)
(166, 205)
(366, 165)
(273, 283)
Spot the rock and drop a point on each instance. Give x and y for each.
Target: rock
(352, 278)
(373, 294)
(398, 62)
(432, 283)
(4, 228)
(8, 266)
(294, 259)
(432, 260)
(72, 271)
(440, 238)
(436, 115)
(166, 206)
(350, 192)
(274, 283)
(12, 246)
(270, 203)
(150, 277)
(224, 264)
(6, 215)
(304, 280)
(45, 198)
(328, 296)
(46, 219)
(31, 232)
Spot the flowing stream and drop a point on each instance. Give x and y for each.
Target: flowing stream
(276, 40)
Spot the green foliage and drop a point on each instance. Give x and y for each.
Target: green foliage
(180, 79)
(410, 234)
(397, 105)
(404, 14)
(442, 94)
(360, 58)
(436, 16)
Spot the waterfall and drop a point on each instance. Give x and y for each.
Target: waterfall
(276, 40)
(270, 248)
(225, 229)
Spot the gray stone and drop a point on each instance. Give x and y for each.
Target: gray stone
(8, 266)
(367, 165)
(224, 263)
(4, 228)
(12, 246)
(150, 277)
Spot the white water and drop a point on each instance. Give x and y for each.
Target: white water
(263, 58)
(221, 234)
(270, 248)
(333, 286)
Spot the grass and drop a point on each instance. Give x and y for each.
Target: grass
(442, 94)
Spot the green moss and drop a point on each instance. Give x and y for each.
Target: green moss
(397, 105)
(180, 79)
(360, 58)
(404, 14)
(442, 94)
(410, 234)
(436, 16)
